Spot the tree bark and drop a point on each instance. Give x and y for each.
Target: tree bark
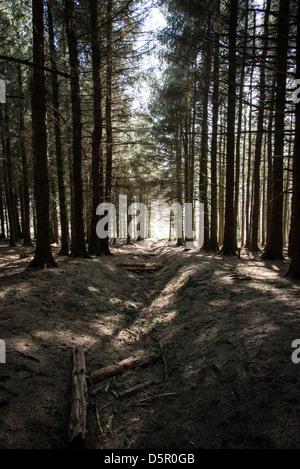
(259, 137)
(229, 238)
(274, 245)
(78, 248)
(213, 241)
(104, 243)
(294, 269)
(77, 425)
(64, 250)
(25, 183)
(97, 165)
(43, 255)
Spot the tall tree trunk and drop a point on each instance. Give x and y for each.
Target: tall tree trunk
(7, 173)
(204, 145)
(294, 269)
(64, 250)
(2, 218)
(97, 168)
(259, 136)
(269, 159)
(78, 248)
(222, 149)
(274, 245)
(178, 177)
(25, 184)
(243, 187)
(229, 238)
(213, 241)
(43, 255)
(248, 181)
(104, 243)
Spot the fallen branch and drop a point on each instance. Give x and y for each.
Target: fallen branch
(165, 362)
(141, 402)
(126, 364)
(27, 355)
(77, 426)
(136, 389)
(98, 422)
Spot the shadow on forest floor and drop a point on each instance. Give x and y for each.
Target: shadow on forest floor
(224, 327)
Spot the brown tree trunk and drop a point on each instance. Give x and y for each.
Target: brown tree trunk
(270, 162)
(274, 245)
(229, 238)
(78, 248)
(259, 136)
(25, 184)
(213, 241)
(104, 243)
(2, 218)
(7, 174)
(43, 256)
(294, 269)
(239, 128)
(204, 147)
(97, 168)
(179, 241)
(64, 250)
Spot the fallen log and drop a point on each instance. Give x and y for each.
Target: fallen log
(77, 425)
(142, 267)
(126, 364)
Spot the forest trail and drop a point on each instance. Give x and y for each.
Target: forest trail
(223, 328)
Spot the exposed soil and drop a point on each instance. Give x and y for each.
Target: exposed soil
(224, 328)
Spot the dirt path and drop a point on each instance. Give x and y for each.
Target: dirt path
(224, 328)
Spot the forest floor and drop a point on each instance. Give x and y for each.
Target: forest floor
(223, 326)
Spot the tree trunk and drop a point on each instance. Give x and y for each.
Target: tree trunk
(25, 184)
(7, 174)
(213, 241)
(294, 269)
(259, 136)
(104, 243)
(78, 248)
(2, 218)
(229, 238)
(274, 245)
(64, 250)
(43, 256)
(204, 146)
(97, 168)
(179, 241)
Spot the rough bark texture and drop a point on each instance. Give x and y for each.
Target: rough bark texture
(229, 238)
(259, 137)
(78, 248)
(126, 364)
(43, 256)
(213, 241)
(64, 250)
(77, 425)
(275, 242)
(97, 170)
(25, 183)
(294, 270)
